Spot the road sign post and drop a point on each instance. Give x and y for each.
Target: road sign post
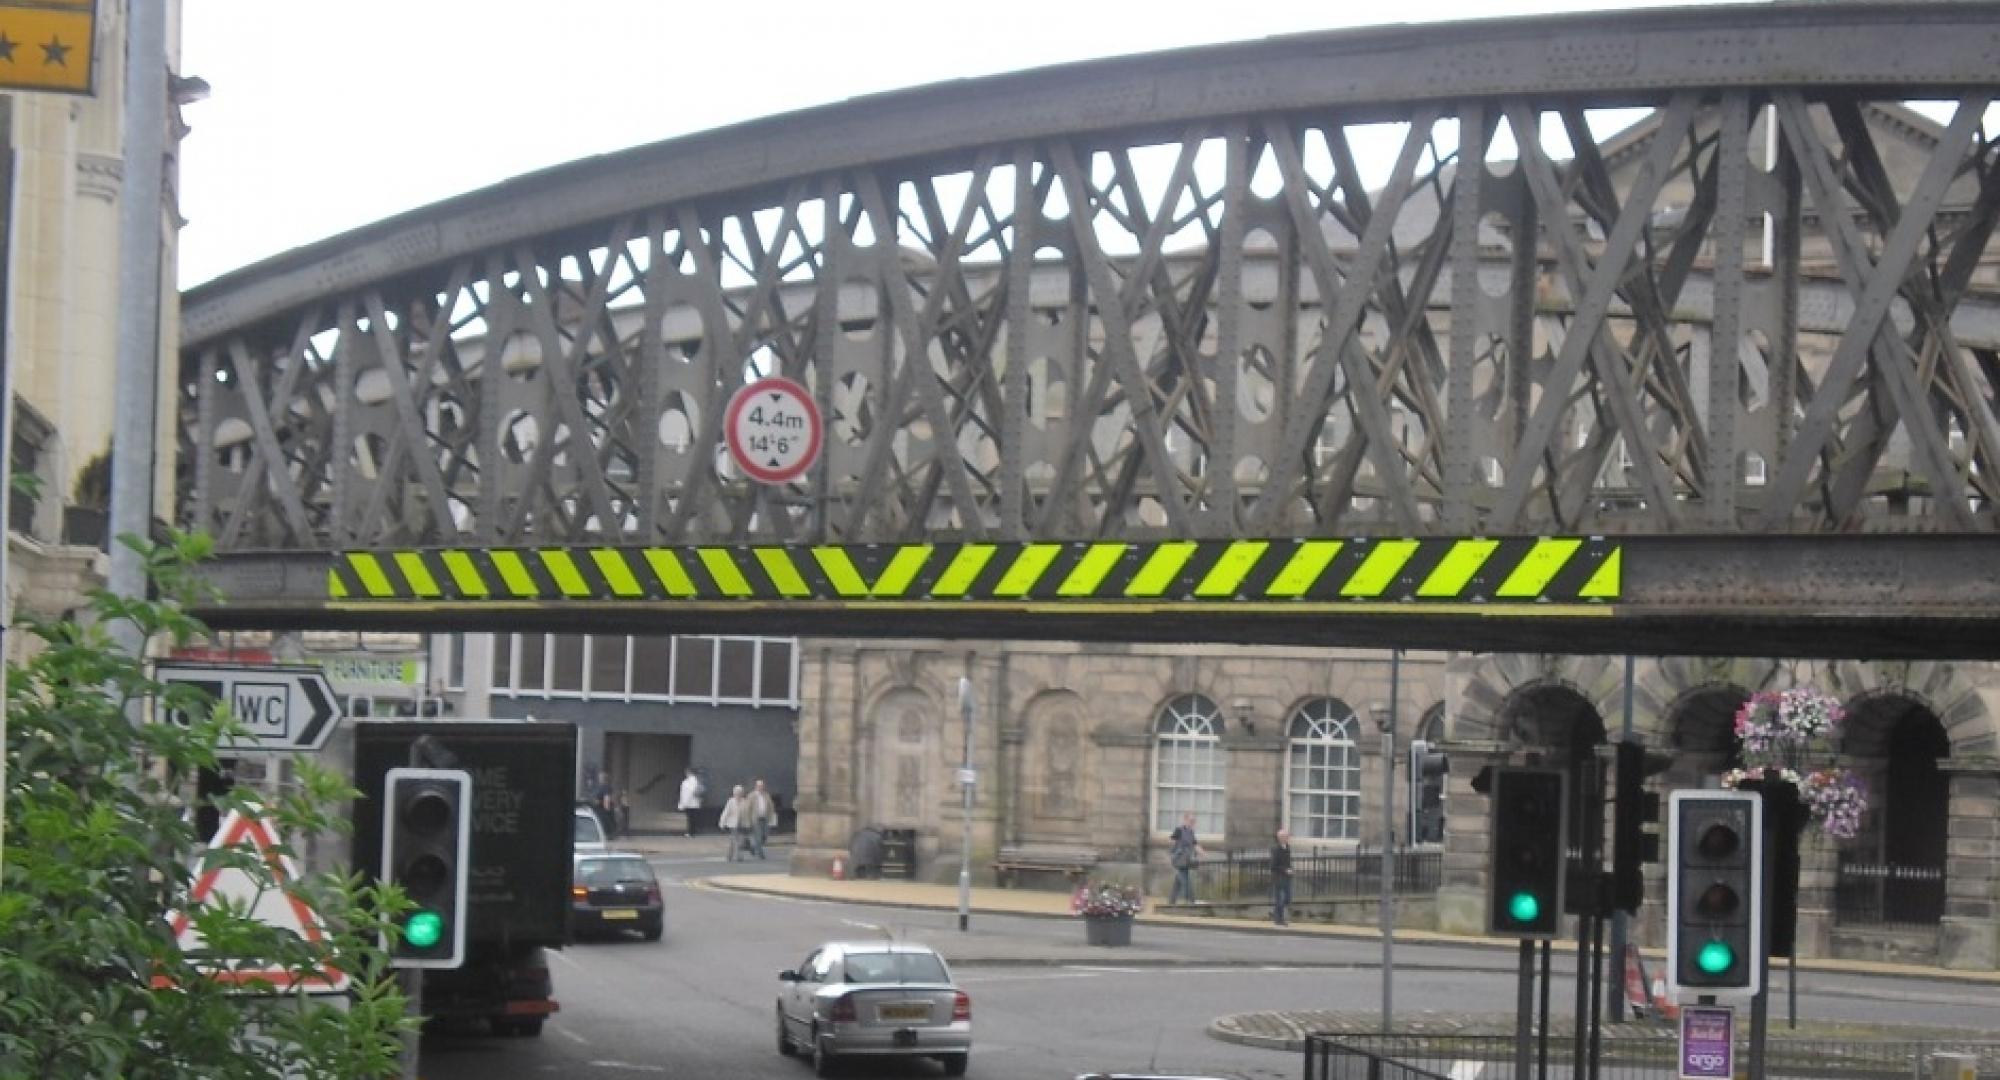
(283, 709)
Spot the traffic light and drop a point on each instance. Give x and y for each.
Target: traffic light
(1427, 774)
(1524, 897)
(426, 848)
(1632, 847)
(1716, 886)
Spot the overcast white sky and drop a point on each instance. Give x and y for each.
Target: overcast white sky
(327, 116)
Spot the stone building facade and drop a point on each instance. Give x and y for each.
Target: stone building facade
(1104, 746)
(61, 169)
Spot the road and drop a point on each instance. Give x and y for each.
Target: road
(700, 1003)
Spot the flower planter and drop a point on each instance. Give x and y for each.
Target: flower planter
(1107, 930)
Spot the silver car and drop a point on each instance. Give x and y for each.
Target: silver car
(874, 999)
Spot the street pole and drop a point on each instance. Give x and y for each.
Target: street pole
(138, 358)
(966, 779)
(1385, 722)
(1620, 932)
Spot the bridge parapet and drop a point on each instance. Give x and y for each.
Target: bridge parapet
(1725, 272)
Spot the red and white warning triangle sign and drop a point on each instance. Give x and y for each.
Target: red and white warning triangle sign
(273, 903)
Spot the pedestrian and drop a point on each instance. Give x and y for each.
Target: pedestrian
(736, 821)
(607, 811)
(624, 812)
(763, 815)
(1182, 855)
(1281, 877)
(690, 804)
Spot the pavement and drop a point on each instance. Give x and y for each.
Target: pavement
(1272, 1029)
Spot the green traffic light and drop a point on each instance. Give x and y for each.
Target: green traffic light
(1524, 908)
(423, 929)
(1715, 958)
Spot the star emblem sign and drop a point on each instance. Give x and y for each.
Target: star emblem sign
(55, 53)
(6, 47)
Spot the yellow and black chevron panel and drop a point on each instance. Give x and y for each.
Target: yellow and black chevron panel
(1418, 573)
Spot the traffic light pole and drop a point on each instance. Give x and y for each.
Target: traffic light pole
(1524, 1009)
(1619, 933)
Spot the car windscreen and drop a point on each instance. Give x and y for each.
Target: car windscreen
(588, 831)
(894, 967)
(593, 872)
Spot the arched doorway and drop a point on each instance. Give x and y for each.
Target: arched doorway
(1568, 728)
(1701, 732)
(1893, 874)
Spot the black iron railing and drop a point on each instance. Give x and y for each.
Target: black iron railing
(1868, 893)
(1400, 1057)
(1246, 875)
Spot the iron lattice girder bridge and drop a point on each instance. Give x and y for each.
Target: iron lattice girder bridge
(1711, 291)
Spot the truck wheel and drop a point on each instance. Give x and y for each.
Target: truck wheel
(954, 1064)
(784, 1041)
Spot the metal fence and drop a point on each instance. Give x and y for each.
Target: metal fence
(1491, 1057)
(1246, 875)
(1887, 894)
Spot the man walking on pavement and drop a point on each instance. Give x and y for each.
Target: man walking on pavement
(763, 813)
(1181, 854)
(690, 803)
(1281, 877)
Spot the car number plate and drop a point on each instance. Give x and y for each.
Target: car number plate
(621, 913)
(905, 1012)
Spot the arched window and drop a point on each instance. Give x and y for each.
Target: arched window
(1323, 773)
(1188, 766)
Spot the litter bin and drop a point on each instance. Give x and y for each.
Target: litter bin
(899, 853)
(864, 853)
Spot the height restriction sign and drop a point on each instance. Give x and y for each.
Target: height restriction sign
(773, 430)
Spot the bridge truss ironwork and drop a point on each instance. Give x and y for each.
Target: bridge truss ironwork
(1720, 283)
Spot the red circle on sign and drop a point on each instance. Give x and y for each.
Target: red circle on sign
(772, 430)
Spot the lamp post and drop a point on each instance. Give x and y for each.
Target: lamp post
(966, 779)
(1385, 722)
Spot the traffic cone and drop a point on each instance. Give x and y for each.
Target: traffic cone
(839, 869)
(1667, 1009)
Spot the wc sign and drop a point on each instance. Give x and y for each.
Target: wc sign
(281, 709)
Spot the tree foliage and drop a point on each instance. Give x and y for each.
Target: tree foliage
(101, 847)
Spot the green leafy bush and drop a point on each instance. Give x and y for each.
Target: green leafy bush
(101, 847)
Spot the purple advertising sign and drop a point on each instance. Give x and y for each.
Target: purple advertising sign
(1708, 1042)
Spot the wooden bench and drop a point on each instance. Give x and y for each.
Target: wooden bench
(1074, 862)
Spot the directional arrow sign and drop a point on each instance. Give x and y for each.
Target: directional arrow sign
(285, 709)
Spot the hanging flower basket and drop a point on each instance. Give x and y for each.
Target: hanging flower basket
(1782, 734)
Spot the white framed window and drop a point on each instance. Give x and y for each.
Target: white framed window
(1189, 767)
(1323, 772)
(710, 670)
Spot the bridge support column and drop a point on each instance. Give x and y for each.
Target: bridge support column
(1969, 933)
(1461, 900)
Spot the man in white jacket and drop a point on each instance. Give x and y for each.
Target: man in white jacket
(691, 791)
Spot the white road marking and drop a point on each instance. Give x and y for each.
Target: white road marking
(557, 955)
(1104, 969)
(568, 1034)
(627, 1065)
